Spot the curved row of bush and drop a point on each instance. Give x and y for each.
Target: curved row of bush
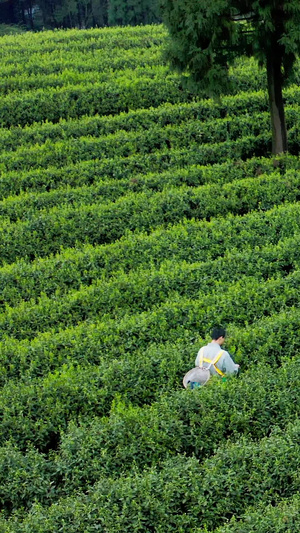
(140, 119)
(144, 118)
(124, 144)
(45, 71)
(26, 204)
(47, 232)
(70, 77)
(25, 321)
(37, 410)
(89, 99)
(245, 75)
(190, 240)
(94, 59)
(62, 40)
(179, 318)
(182, 492)
(144, 288)
(128, 145)
(132, 167)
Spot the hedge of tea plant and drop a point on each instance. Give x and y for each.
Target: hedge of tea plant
(232, 479)
(48, 231)
(135, 216)
(189, 240)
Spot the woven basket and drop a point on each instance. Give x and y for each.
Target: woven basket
(196, 375)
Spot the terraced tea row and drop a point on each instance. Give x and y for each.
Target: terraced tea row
(124, 144)
(89, 99)
(229, 467)
(87, 172)
(178, 318)
(27, 205)
(46, 233)
(190, 240)
(79, 100)
(132, 167)
(143, 289)
(57, 63)
(69, 64)
(20, 84)
(141, 119)
(134, 121)
(245, 75)
(35, 74)
(241, 74)
(37, 410)
(92, 39)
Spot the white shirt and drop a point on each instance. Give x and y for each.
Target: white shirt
(225, 363)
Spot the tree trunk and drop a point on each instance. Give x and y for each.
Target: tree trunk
(13, 18)
(279, 133)
(30, 14)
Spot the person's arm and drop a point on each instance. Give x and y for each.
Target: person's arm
(228, 365)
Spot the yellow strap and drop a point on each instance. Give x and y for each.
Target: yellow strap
(213, 362)
(218, 356)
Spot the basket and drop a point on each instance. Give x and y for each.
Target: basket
(196, 375)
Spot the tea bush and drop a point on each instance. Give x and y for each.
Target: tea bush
(135, 216)
(235, 477)
(189, 240)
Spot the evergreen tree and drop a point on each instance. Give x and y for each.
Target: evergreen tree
(79, 13)
(99, 13)
(207, 35)
(132, 12)
(73, 13)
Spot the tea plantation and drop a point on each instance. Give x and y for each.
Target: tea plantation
(135, 216)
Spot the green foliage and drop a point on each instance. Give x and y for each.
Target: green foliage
(185, 241)
(176, 424)
(207, 36)
(142, 119)
(127, 232)
(104, 339)
(132, 13)
(281, 518)
(143, 289)
(103, 98)
(10, 29)
(99, 224)
(174, 501)
(24, 479)
(123, 144)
